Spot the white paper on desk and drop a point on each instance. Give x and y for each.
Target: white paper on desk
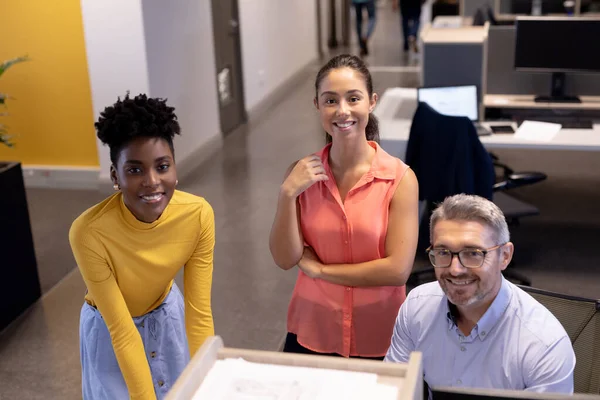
(538, 131)
(448, 22)
(236, 379)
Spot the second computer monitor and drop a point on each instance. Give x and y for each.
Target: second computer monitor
(560, 44)
(557, 45)
(455, 101)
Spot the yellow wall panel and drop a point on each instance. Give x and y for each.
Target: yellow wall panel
(51, 114)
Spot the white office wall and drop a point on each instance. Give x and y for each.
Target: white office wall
(116, 56)
(181, 67)
(278, 39)
(167, 49)
(324, 6)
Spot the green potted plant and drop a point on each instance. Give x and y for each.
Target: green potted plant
(19, 265)
(5, 138)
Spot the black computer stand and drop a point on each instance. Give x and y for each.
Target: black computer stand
(558, 91)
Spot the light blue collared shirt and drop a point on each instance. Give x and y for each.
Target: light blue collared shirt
(517, 344)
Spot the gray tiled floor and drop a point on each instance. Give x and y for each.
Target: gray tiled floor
(51, 213)
(39, 354)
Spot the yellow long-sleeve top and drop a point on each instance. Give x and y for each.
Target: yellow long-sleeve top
(128, 267)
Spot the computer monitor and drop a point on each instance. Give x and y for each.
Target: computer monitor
(452, 393)
(557, 45)
(455, 101)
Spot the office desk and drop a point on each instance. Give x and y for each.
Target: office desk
(396, 108)
(408, 377)
(451, 21)
(448, 31)
(527, 101)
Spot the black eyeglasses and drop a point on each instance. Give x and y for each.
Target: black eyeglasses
(469, 257)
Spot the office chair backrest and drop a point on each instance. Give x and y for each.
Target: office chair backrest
(484, 14)
(479, 17)
(581, 319)
(447, 157)
(490, 14)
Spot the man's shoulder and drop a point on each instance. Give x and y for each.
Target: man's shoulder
(428, 295)
(424, 310)
(535, 318)
(430, 289)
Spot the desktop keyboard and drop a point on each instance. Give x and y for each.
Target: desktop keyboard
(566, 122)
(482, 130)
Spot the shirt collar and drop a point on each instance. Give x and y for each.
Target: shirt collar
(497, 309)
(491, 317)
(450, 312)
(383, 165)
(131, 219)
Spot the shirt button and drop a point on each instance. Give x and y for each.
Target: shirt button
(483, 333)
(345, 242)
(161, 383)
(347, 289)
(462, 348)
(153, 354)
(142, 324)
(459, 382)
(344, 217)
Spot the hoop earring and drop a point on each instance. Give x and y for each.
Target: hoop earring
(116, 186)
(176, 182)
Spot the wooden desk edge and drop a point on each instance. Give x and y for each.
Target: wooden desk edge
(527, 101)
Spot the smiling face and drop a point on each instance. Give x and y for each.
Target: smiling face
(470, 287)
(344, 104)
(146, 174)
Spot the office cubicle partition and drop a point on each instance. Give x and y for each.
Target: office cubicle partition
(454, 57)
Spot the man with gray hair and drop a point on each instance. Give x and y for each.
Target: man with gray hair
(474, 328)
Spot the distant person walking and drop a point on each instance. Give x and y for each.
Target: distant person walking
(410, 17)
(359, 6)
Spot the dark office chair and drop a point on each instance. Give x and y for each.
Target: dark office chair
(581, 319)
(479, 17)
(447, 157)
(490, 15)
(484, 14)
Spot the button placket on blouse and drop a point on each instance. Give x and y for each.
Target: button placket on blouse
(347, 309)
(347, 320)
(346, 233)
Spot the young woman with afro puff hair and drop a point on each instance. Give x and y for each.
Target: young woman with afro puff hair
(137, 330)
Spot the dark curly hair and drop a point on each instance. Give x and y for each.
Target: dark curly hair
(129, 119)
(358, 65)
